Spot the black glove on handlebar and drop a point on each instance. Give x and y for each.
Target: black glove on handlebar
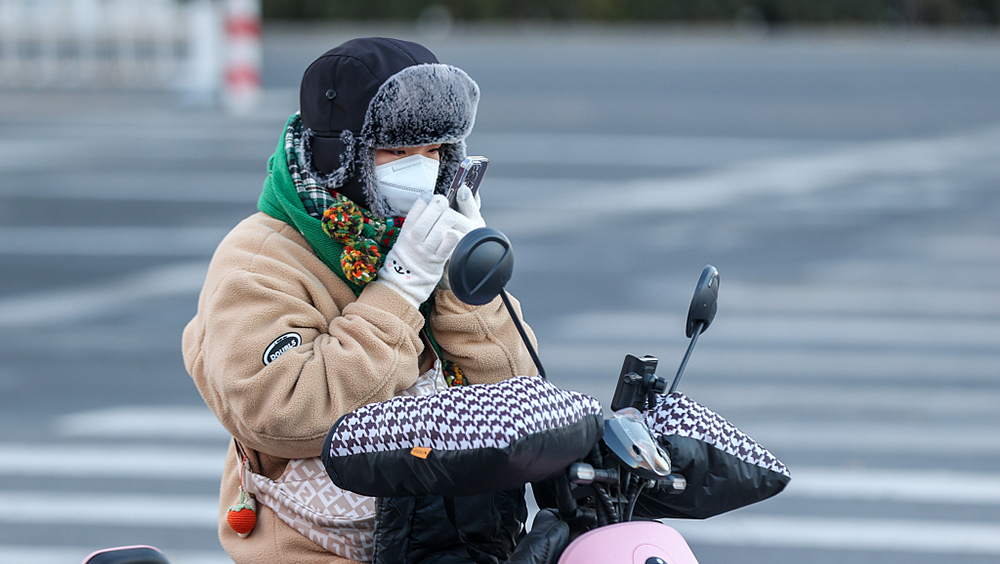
(545, 543)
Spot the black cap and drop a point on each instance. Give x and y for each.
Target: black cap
(338, 87)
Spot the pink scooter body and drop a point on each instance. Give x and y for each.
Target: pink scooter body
(635, 542)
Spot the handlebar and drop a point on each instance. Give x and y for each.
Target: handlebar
(582, 474)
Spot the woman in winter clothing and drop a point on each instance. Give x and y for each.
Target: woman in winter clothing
(327, 300)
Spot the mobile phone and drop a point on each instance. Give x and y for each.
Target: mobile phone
(636, 375)
(470, 173)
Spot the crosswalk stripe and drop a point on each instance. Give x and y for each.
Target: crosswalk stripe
(784, 176)
(225, 187)
(110, 241)
(845, 437)
(623, 150)
(103, 461)
(739, 529)
(84, 302)
(793, 175)
(137, 510)
(814, 396)
(851, 300)
(917, 486)
(791, 329)
(750, 364)
(803, 531)
(13, 554)
(142, 421)
(173, 463)
(746, 171)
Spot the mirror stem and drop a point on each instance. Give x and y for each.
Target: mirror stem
(687, 355)
(524, 336)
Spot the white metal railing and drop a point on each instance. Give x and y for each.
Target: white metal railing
(133, 44)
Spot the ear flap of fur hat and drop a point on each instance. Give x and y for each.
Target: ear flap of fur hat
(337, 89)
(420, 105)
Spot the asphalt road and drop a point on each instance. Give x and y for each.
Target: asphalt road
(846, 186)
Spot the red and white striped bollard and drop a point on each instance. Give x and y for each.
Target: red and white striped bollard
(243, 61)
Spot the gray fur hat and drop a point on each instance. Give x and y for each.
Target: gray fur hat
(406, 98)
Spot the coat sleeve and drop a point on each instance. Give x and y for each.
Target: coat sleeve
(482, 340)
(342, 356)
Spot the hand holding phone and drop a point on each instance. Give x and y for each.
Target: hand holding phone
(470, 173)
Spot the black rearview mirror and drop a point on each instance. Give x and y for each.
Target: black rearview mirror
(481, 266)
(704, 305)
(705, 302)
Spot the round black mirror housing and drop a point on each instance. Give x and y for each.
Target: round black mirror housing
(481, 265)
(705, 302)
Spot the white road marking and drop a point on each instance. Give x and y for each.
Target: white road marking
(792, 175)
(736, 529)
(143, 422)
(801, 531)
(816, 298)
(846, 437)
(186, 463)
(203, 187)
(73, 304)
(620, 150)
(787, 177)
(508, 148)
(110, 241)
(137, 510)
(104, 461)
(790, 329)
(912, 486)
(833, 330)
(741, 167)
(13, 554)
(773, 361)
(825, 397)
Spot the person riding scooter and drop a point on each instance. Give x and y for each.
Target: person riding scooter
(333, 296)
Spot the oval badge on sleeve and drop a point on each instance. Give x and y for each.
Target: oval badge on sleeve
(280, 345)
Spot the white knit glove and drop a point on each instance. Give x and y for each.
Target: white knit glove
(416, 261)
(469, 207)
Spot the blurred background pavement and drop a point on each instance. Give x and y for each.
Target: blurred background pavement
(846, 184)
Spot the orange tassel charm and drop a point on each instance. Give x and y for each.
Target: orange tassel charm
(243, 516)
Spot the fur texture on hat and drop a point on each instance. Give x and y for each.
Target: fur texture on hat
(421, 104)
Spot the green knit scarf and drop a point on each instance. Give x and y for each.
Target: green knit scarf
(346, 237)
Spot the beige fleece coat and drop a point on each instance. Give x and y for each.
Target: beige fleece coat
(265, 281)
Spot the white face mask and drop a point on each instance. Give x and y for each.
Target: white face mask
(403, 180)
